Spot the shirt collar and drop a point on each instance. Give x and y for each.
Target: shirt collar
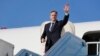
(53, 22)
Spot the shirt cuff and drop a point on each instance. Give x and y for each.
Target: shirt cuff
(66, 13)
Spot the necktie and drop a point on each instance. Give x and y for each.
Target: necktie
(52, 26)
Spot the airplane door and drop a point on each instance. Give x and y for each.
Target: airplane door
(92, 36)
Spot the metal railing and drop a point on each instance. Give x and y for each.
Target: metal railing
(97, 45)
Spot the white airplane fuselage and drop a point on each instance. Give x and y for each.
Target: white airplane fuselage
(29, 37)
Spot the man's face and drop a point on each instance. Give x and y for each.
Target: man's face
(53, 16)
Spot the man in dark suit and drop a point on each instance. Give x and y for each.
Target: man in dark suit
(53, 29)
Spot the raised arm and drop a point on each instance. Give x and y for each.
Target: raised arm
(65, 20)
(66, 17)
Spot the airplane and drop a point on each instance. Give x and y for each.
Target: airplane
(29, 37)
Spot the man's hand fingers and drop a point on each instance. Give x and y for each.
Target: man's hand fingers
(42, 40)
(66, 8)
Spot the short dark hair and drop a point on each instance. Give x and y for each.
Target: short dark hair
(54, 11)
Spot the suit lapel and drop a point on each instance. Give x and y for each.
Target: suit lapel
(49, 27)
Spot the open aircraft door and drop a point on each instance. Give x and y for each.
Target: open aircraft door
(93, 40)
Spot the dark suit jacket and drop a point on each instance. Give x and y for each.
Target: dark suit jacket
(55, 34)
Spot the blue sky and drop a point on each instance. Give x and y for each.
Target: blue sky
(24, 13)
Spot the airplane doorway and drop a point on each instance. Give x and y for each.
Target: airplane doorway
(92, 37)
